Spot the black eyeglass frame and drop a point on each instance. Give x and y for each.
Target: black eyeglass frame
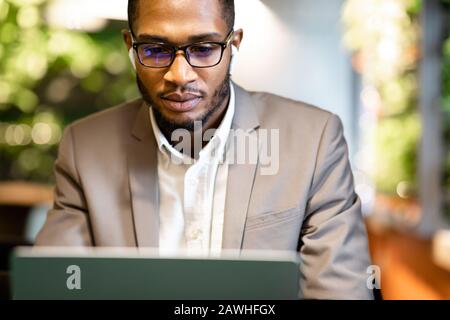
(175, 49)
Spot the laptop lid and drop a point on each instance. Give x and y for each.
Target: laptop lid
(118, 273)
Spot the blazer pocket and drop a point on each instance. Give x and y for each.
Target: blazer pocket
(271, 218)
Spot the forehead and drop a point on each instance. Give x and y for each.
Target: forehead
(177, 20)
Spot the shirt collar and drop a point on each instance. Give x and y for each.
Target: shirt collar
(215, 146)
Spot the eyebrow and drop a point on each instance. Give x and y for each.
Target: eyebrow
(212, 36)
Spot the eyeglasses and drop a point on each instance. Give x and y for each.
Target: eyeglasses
(199, 55)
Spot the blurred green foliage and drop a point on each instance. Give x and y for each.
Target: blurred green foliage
(50, 77)
(446, 113)
(396, 140)
(446, 107)
(384, 37)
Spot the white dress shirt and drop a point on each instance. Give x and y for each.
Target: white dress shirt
(192, 192)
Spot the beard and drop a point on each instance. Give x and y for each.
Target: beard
(167, 126)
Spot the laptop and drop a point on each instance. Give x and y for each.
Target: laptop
(143, 274)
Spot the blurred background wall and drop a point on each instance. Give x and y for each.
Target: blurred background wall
(302, 54)
(382, 65)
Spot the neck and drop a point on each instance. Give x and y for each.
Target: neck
(197, 133)
(212, 123)
(216, 118)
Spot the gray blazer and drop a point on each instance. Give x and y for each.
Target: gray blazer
(107, 191)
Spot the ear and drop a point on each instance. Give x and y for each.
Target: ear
(234, 51)
(127, 38)
(237, 38)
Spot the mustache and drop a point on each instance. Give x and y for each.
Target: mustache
(187, 89)
(182, 90)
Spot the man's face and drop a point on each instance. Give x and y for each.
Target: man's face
(202, 91)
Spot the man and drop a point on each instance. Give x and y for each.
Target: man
(122, 181)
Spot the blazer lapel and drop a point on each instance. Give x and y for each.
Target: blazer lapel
(142, 167)
(143, 179)
(240, 176)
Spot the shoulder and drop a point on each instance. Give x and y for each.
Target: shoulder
(107, 130)
(279, 112)
(117, 117)
(109, 125)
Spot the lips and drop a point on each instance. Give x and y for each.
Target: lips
(181, 102)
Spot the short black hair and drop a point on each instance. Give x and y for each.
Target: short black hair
(228, 12)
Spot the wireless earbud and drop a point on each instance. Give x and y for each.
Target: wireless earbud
(234, 50)
(132, 58)
(234, 53)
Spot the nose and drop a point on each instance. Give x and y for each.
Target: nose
(180, 72)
